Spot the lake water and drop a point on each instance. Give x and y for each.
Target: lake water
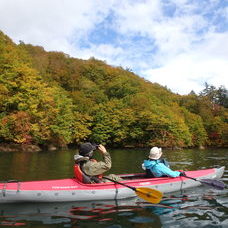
(198, 207)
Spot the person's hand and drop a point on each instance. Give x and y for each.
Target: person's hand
(182, 174)
(102, 149)
(143, 166)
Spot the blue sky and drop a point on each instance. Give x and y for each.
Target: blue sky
(180, 44)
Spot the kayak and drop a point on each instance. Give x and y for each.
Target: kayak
(68, 190)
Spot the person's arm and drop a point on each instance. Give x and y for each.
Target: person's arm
(97, 168)
(167, 171)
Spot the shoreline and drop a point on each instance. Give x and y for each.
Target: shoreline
(13, 147)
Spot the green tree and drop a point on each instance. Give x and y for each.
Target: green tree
(216, 96)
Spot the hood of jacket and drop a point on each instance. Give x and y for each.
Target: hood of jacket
(78, 158)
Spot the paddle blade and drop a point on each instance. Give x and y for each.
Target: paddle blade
(150, 195)
(213, 183)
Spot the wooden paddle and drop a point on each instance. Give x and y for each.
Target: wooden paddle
(213, 183)
(148, 194)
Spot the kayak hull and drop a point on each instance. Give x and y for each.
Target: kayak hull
(68, 190)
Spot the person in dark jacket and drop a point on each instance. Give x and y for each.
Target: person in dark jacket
(157, 167)
(90, 166)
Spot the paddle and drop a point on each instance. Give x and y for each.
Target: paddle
(213, 183)
(148, 194)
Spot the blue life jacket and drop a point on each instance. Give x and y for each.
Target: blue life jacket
(159, 168)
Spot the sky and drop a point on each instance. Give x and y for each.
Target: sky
(180, 44)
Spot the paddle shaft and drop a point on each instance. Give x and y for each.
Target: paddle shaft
(213, 183)
(191, 178)
(148, 194)
(117, 182)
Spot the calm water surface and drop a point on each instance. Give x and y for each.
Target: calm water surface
(197, 207)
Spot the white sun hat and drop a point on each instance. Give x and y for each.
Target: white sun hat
(155, 153)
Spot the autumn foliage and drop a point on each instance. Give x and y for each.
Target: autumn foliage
(51, 98)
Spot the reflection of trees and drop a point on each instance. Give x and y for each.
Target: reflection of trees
(37, 166)
(58, 164)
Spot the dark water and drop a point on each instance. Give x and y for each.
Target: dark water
(198, 207)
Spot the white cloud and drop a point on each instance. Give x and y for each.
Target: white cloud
(50, 23)
(172, 35)
(138, 17)
(185, 73)
(103, 52)
(189, 71)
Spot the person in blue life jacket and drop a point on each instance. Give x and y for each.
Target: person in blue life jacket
(157, 167)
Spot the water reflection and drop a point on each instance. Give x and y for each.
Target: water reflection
(202, 208)
(133, 211)
(58, 164)
(89, 213)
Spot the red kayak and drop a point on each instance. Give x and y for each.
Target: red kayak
(66, 190)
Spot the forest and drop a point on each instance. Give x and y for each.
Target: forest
(50, 98)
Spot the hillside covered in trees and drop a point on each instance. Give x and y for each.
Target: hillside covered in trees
(51, 98)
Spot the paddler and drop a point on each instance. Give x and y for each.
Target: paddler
(92, 168)
(157, 167)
